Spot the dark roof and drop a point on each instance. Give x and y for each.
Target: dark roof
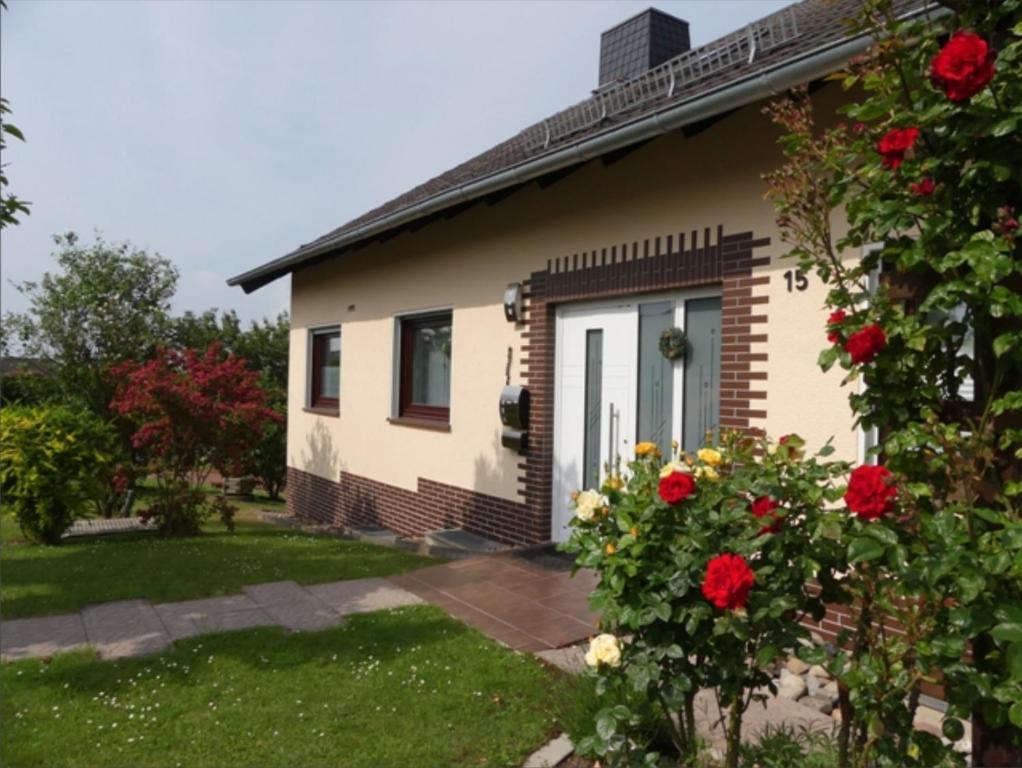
(819, 24)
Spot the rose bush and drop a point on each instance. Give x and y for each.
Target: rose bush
(705, 595)
(929, 175)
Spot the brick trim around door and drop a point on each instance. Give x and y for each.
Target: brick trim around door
(656, 264)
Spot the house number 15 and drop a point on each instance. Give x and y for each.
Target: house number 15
(796, 279)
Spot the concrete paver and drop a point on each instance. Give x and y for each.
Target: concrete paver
(550, 754)
(214, 614)
(44, 636)
(125, 628)
(362, 595)
(292, 606)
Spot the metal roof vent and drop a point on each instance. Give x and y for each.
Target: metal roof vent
(640, 43)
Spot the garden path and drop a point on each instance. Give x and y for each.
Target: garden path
(526, 599)
(136, 627)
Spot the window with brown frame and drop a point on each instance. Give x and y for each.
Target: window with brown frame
(425, 367)
(325, 389)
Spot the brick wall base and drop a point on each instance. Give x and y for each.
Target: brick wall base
(360, 501)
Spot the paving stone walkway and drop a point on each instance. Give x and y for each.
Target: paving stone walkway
(137, 627)
(526, 599)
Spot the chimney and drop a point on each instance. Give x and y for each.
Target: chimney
(639, 44)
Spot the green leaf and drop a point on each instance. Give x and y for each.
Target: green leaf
(606, 724)
(1011, 614)
(1013, 660)
(828, 357)
(1004, 342)
(811, 654)
(1005, 126)
(863, 549)
(882, 533)
(767, 654)
(662, 611)
(1015, 714)
(1008, 631)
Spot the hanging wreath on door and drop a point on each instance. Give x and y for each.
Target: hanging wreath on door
(673, 343)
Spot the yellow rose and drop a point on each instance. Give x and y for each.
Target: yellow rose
(610, 549)
(707, 472)
(671, 467)
(604, 649)
(647, 449)
(614, 483)
(710, 456)
(634, 531)
(588, 503)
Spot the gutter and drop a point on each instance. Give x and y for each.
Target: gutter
(755, 87)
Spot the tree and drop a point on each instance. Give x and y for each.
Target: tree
(267, 460)
(198, 331)
(193, 412)
(11, 206)
(264, 346)
(930, 169)
(109, 303)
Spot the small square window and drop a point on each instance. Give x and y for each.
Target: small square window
(325, 388)
(425, 367)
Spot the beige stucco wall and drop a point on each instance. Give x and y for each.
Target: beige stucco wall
(672, 184)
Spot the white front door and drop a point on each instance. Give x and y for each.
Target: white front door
(613, 387)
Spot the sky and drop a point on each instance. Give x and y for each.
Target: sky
(224, 134)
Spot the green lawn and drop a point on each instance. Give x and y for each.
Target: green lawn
(40, 580)
(409, 688)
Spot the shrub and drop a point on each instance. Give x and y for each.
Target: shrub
(54, 462)
(194, 412)
(787, 746)
(929, 169)
(705, 566)
(267, 460)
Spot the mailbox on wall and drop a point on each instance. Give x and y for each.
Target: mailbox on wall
(514, 415)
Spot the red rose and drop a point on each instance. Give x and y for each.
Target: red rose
(676, 487)
(836, 318)
(728, 581)
(764, 506)
(923, 188)
(895, 143)
(869, 493)
(963, 67)
(865, 343)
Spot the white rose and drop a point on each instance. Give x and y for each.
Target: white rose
(673, 466)
(604, 649)
(587, 503)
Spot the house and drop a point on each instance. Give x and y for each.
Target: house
(554, 263)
